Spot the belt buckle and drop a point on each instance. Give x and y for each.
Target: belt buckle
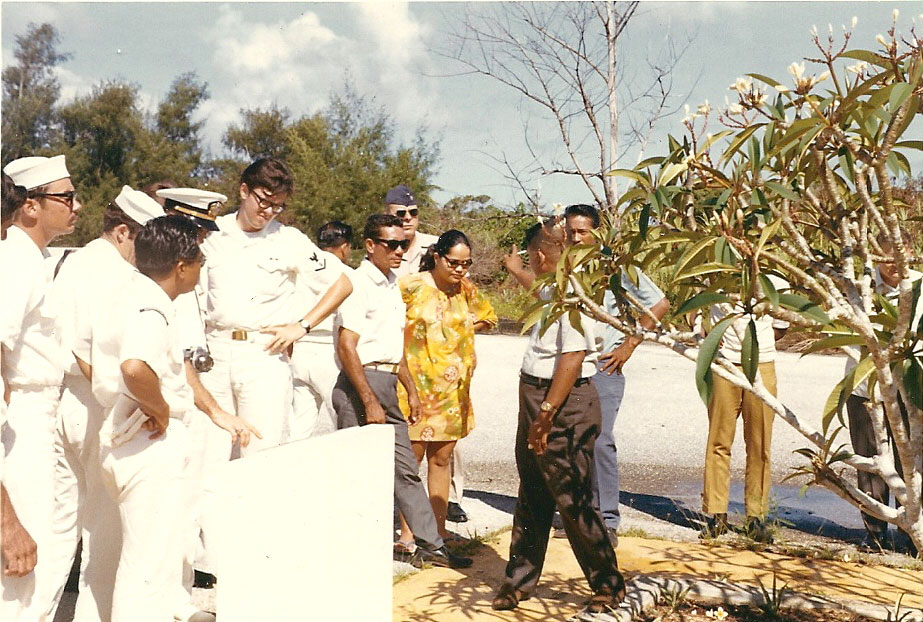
(239, 335)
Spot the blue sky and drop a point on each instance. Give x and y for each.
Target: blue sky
(295, 55)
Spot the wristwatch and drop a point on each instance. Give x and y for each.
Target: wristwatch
(547, 407)
(306, 325)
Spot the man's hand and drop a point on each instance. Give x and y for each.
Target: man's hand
(512, 261)
(538, 434)
(613, 361)
(374, 413)
(18, 552)
(158, 428)
(283, 336)
(239, 429)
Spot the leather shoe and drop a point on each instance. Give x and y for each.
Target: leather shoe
(715, 526)
(441, 557)
(455, 513)
(204, 580)
(507, 598)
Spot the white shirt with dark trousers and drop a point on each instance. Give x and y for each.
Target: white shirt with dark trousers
(32, 364)
(146, 476)
(562, 476)
(376, 312)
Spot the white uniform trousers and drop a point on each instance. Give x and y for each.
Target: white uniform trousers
(28, 476)
(147, 479)
(315, 372)
(83, 508)
(254, 385)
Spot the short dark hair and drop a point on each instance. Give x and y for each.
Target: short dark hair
(114, 216)
(334, 234)
(542, 232)
(269, 173)
(377, 222)
(581, 209)
(446, 242)
(884, 240)
(13, 197)
(163, 242)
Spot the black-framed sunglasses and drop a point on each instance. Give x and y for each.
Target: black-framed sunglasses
(264, 203)
(67, 198)
(455, 264)
(393, 245)
(400, 213)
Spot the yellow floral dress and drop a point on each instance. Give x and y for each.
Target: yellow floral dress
(439, 345)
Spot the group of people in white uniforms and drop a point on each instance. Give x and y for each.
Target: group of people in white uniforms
(77, 450)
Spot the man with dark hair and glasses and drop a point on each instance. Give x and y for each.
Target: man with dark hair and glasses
(369, 333)
(32, 371)
(253, 308)
(313, 355)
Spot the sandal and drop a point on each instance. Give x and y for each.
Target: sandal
(507, 598)
(403, 551)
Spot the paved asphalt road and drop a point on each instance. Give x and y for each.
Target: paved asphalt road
(661, 428)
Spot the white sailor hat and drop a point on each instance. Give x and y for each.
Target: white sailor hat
(137, 205)
(200, 205)
(35, 171)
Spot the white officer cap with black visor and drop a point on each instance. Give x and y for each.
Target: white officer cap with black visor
(200, 206)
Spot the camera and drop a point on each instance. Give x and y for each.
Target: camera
(200, 358)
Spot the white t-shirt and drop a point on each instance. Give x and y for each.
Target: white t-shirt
(310, 293)
(32, 354)
(540, 359)
(249, 279)
(376, 312)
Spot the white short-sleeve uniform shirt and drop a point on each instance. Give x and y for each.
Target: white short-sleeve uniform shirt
(32, 353)
(542, 352)
(250, 279)
(376, 312)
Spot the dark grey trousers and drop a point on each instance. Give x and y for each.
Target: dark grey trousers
(863, 442)
(409, 493)
(562, 477)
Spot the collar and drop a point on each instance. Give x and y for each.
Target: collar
(20, 240)
(376, 275)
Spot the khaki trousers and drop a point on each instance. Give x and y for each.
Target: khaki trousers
(727, 402)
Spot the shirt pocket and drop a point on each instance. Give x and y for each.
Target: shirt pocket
(274, 271)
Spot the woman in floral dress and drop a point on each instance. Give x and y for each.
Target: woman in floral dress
(444, 310)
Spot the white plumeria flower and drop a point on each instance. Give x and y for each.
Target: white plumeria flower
(859, 67)
(782, 88)
(846, 557)
(813, 30)
(735, 109)
(894, 14)
(717, 614)
(855, 20)
(797, 70)
(742, 84)
(881, 39)
(557, 208)
(704, 108)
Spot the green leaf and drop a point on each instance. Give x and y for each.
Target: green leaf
(691, 253)
(769, 290)
(750, 352)
(899, 94)
(630, 174)
(910, 144)
(763, 78)
(532, 315)
(702, 299)
(869, 57)
(573, 317)
(767, 232)
(644, 220)
(670, 171)
(783, 190)
(844, 388)
(707, 352)
(705, 268)
(836, 341)
(808, 309)
(738, 141)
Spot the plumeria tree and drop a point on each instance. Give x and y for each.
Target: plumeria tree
(796, 183)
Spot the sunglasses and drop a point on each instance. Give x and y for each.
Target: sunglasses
(67, 198)
(393, 245)
(455, 264)
(400, 213)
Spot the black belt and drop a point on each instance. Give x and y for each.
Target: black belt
(544, 383)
